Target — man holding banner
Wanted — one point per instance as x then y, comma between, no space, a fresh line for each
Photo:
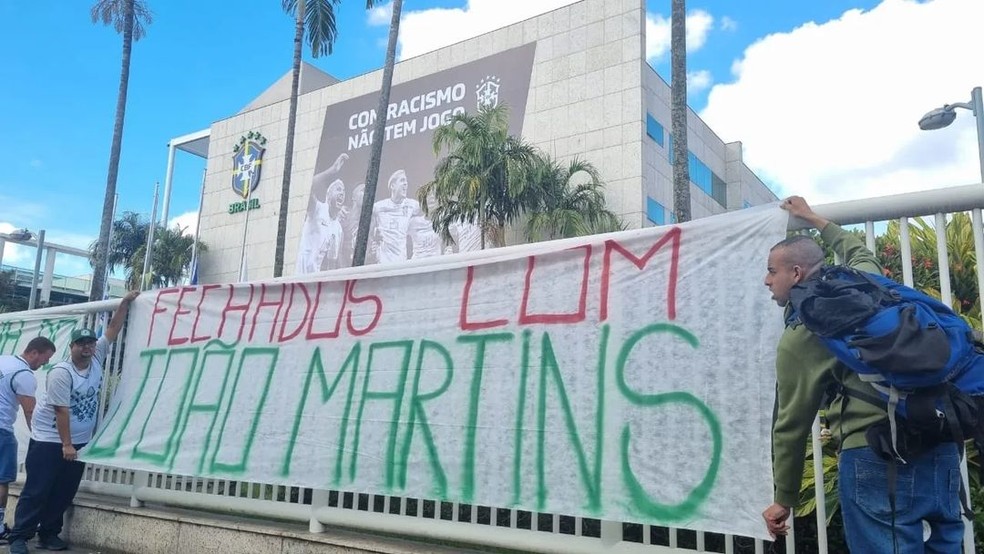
62,424
875,516
17,387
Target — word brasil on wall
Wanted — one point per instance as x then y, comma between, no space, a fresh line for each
625,377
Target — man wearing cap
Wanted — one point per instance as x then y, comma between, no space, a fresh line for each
17,386
62,424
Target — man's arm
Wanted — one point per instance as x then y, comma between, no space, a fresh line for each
802,378
851,249
119,316
321,181
27,405
59,395
65,432
24,385
848,246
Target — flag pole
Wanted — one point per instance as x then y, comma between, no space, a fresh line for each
148,254
247,189
193,278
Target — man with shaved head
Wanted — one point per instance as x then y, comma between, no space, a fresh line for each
806,371
321,232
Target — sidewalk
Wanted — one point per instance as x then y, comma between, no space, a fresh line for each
99,524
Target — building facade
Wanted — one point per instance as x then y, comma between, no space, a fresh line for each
575,81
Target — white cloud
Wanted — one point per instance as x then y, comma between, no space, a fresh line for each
698,81
699,24
830,110
381,15
728,24
427,30
187,221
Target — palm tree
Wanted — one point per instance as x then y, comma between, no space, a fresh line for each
128,17
376,151
568,209
172,258
172,251
129,235
678,110
483,179
317,18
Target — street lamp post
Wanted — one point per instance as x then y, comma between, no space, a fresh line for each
941,117
23,235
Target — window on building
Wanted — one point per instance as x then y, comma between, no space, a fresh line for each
654,129
702,176
719,190
655,211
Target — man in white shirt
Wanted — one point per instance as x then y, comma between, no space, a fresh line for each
62,424
391,219
17,387
321,231
467,236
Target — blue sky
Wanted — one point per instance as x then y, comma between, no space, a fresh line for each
203,61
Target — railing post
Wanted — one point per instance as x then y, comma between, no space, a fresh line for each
319,499
139,480
611,532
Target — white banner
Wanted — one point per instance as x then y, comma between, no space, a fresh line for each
16,330
626,377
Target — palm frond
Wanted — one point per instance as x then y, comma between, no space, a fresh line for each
115,13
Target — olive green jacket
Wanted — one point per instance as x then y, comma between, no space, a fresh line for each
805,369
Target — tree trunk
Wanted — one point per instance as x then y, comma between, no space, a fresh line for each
278,258
375,155
101,262
678,110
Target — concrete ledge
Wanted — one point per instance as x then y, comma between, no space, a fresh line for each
108,524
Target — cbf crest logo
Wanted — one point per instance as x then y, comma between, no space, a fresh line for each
247,160
488,92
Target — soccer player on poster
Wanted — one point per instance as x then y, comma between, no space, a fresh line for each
321,233
391,219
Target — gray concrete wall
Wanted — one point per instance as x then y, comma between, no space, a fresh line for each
107,525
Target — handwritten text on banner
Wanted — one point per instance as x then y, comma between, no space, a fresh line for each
625,377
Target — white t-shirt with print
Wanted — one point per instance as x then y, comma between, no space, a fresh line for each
16,379
67,385
393,220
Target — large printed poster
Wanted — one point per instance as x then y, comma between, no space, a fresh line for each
627,377
399,230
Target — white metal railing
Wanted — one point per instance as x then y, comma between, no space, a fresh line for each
505,527
939,204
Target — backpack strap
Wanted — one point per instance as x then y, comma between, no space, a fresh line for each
958,436
869,398
14,376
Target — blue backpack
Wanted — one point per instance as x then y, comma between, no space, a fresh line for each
922,358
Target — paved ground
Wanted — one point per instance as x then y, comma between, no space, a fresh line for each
32,546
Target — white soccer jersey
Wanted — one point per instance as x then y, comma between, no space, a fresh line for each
393,221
